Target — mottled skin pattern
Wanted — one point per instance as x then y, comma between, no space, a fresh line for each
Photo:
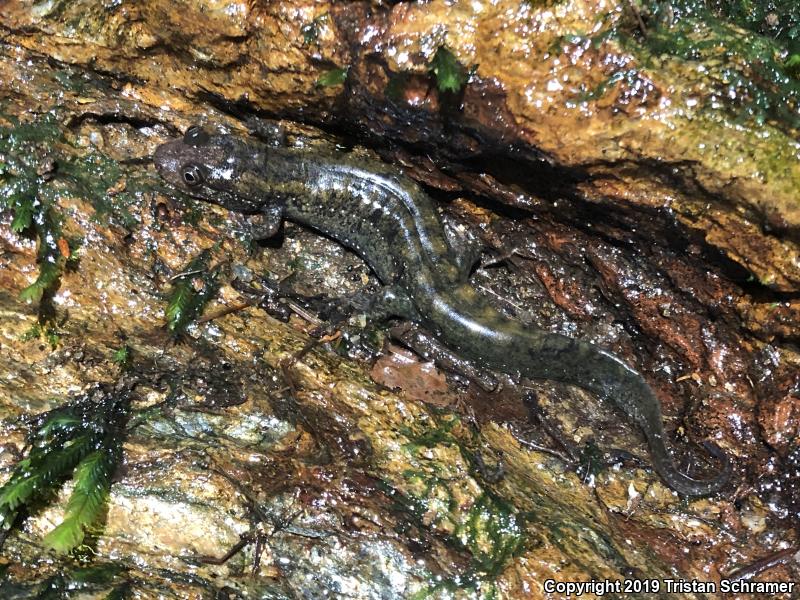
388,220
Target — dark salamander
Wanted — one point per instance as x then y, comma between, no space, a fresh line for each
387,219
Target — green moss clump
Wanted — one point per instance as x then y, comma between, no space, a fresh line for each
122,356
776,19
192,290
450,75
74,581
25,170
34,176
333,77
753,77
491,531
81,440
311,30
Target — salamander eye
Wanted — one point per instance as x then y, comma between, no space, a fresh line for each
195,136
192,175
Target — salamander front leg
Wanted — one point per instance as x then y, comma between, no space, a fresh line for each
267,223
429,348
508,252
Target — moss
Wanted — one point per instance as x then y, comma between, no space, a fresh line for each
94,176
450,75
311,30
750,77
76,581
489,530
777,19
630,76
443,434
71,80
493,534
333,77
122,357
81,439
44,329
396,86
26,167
34,176
192,290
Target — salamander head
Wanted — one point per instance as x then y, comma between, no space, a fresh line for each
212,167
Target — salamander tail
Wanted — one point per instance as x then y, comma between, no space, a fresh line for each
682,483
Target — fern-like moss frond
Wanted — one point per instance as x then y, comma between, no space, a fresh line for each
92,485
190,293
42,471
81,439
59,425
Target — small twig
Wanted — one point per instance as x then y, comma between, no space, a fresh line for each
244,539
257,552
638,16
539,448
303,313
763,564
330,337
506,301
187,273
225,311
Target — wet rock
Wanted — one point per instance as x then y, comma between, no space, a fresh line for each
620,198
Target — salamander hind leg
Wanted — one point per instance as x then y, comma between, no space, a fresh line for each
377,306
279,300
267,296
465,250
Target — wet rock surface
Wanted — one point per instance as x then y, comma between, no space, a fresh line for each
630,211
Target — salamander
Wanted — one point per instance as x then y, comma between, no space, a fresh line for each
386,218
